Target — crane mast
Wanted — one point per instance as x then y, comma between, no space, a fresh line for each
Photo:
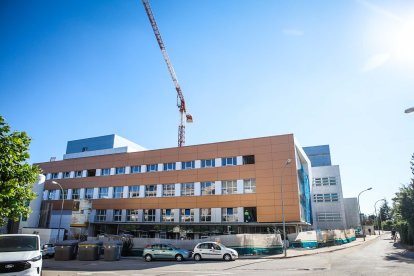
184,117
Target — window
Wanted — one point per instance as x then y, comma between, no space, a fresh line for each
248,159
132,215
52,194
168,215
120,170
228,187
151,190
152,168
103,192
168,190
106,171
133,191
54,175
229,161
100,215
249,214
249,186
75,193
230,215
66,175
187,215
88,193
149,215
64,195
325,197
169,166
78,173
136,169
187,165
208,163
205,215
187,189
91,173
117,215
208,188
327,217
324,181
118,192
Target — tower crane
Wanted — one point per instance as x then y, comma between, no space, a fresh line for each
184,116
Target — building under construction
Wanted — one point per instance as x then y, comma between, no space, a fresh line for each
113,186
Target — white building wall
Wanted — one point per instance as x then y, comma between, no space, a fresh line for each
327,207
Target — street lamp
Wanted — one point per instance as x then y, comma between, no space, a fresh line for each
283,207
359,210
61,208
409,110
376,216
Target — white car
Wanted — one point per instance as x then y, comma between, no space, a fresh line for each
214,250
20,254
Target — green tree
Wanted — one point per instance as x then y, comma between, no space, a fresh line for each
385,211
16,175
403,210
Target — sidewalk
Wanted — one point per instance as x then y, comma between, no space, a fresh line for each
298,252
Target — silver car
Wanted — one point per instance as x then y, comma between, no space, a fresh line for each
214,250
165,251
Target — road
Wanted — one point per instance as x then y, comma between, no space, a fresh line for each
376,257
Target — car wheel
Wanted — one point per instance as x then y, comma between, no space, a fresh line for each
227,257
148,258
197,257
178,257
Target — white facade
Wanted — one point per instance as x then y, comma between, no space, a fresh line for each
351,212
328,209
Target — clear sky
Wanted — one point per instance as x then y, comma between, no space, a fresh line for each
331,72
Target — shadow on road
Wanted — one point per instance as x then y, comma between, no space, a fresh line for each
101,265
401,255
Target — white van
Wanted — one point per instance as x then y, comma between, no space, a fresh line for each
20,254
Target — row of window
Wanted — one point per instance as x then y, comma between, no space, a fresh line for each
206,163
328,217
324,181
325,197
167,215
168,190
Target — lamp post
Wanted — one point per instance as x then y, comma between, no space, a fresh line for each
283,207
409,110
359,210
376,216
61,208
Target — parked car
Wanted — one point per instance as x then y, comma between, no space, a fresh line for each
214,250
48,250
165,251
20,254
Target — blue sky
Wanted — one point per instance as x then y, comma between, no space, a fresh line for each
331,72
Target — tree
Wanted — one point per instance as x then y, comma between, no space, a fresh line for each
404,210
385,211
16,175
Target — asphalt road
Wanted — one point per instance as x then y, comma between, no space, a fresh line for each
376,257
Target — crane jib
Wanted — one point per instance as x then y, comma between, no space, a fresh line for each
181,103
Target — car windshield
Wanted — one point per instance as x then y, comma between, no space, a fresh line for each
222,246
18,243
